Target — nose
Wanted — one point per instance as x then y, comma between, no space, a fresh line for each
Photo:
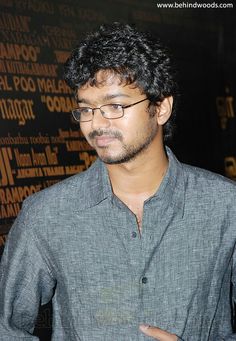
98,120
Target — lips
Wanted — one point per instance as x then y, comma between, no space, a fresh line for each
103,141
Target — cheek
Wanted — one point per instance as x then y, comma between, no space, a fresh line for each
136,126
131,124
85,129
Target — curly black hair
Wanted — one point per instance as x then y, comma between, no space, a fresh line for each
135,57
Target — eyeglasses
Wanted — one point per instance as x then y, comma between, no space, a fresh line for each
109,111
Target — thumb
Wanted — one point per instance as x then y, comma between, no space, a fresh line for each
157,333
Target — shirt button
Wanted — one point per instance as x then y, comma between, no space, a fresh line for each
144,280
134,234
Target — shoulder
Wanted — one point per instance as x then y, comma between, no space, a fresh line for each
203,182
62,196
49,212
200,174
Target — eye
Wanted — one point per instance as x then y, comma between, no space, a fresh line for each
116,106
85,111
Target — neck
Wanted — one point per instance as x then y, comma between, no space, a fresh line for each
141,176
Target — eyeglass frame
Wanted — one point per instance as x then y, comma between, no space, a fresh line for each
104,105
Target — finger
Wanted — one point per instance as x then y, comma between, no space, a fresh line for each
157,333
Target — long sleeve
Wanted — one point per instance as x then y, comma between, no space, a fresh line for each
25,283
232,337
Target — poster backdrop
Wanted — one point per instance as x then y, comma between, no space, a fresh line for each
39,142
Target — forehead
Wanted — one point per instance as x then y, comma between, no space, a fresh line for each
107,84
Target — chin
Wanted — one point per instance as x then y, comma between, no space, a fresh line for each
109,159
116,160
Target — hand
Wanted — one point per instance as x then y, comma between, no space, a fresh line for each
157,333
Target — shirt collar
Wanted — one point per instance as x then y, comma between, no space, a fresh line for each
96,185
171,192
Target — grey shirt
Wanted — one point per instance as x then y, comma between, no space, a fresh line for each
78,244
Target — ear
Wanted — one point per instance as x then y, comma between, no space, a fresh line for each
164,110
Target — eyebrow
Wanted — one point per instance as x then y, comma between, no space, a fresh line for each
104,98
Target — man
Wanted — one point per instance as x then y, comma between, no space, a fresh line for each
140,246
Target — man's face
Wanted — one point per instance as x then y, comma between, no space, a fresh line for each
123,139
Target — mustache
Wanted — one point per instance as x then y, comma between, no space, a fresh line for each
102,132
